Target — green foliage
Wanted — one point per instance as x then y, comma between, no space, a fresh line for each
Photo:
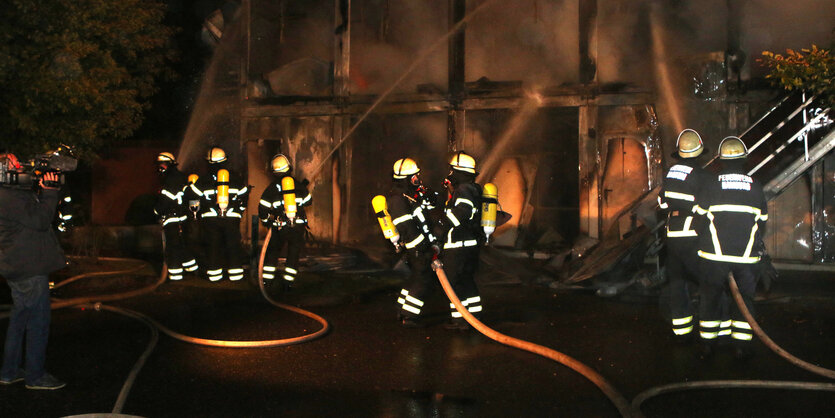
78,72
811,70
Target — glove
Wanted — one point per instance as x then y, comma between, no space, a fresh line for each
767,273
395,240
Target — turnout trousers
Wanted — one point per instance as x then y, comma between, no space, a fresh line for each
222,237
178,257
291,237
421,283
460,265
718,312
682,265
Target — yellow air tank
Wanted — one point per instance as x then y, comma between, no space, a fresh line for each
384,218
489,205
193,205
288,186
222,189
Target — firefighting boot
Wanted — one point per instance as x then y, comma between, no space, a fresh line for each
409,321
457,324
706,350
743,352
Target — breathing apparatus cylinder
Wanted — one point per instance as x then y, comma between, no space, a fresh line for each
223,189
193,204
489,205
384,218
288,186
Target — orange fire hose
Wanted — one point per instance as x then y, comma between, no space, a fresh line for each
617,399
250,344
768,342
746,384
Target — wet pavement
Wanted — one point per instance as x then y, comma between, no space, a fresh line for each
369,366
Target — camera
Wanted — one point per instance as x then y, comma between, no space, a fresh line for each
29,174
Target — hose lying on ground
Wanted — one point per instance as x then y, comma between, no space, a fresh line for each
768,342
746,384
205,341
617,399
728,384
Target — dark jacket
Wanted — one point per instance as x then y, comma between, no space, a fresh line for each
678,196
170,206
735,213
411,217
206,189
463,213
271,205
28,246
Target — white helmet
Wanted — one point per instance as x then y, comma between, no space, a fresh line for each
462,162
404,168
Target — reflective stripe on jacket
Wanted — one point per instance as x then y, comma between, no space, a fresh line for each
736,212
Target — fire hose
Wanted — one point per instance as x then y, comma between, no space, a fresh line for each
249,344
154,326
614,396
211,342
768,342
747,384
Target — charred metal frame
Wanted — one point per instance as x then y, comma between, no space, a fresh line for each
587,97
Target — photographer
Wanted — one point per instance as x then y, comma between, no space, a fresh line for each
29,251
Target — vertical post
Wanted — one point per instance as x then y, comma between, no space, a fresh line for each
456,74
588,41
455,52
341,123
254,249
384,21
342,50
243,95
590,178
816,180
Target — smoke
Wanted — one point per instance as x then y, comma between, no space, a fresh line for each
796,24
535,41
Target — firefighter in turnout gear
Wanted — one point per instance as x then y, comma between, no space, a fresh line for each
223,198
735,212
282,208
463,235
64,213
171,211
409,204
676,199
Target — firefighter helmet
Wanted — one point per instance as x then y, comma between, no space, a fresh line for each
689,144
404,168
216,155
279,164
732,148
166,157
462,162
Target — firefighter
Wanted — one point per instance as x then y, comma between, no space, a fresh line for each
223,198
409,204
171,211
735,213
282,208
463,235
676,199
64,213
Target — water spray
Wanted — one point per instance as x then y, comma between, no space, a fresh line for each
533,101
420,58
662,72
